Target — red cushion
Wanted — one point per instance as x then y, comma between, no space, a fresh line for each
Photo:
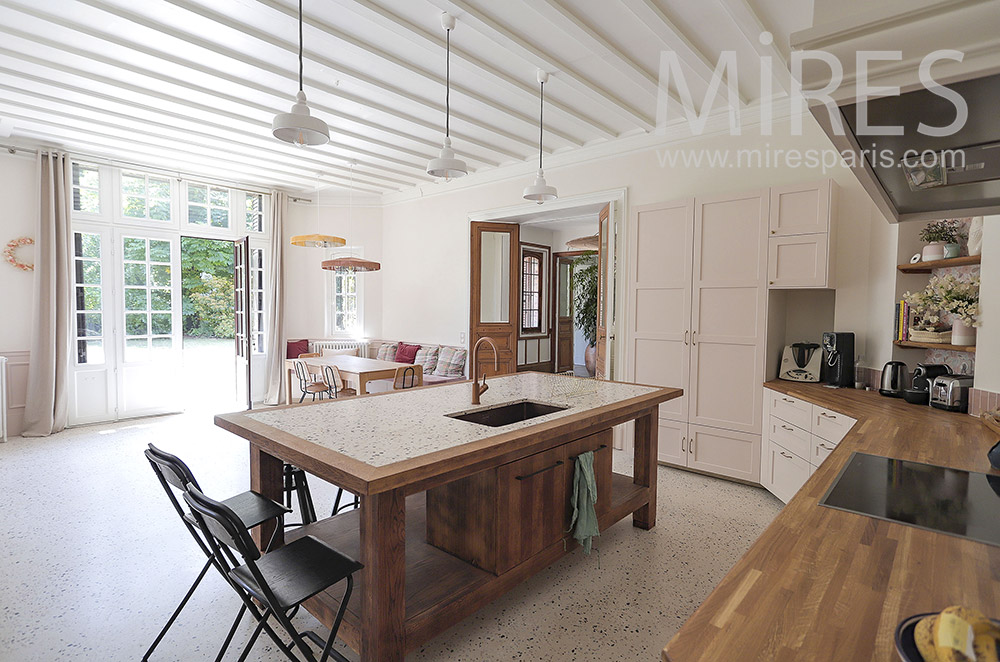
296,347
406,353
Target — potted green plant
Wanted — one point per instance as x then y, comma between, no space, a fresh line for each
585,275
942,238
959,298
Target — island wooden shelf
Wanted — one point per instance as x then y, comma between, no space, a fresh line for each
927,267
910,344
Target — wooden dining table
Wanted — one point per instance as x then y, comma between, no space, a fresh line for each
356,368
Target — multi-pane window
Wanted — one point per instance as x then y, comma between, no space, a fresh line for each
89,295
208,205
148,306
345,302
531,292
254,212
86,188
145,196
257,301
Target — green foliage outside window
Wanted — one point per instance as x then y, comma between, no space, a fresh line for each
207,288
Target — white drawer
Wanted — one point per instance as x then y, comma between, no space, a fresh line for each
787,472
821,449
789,409
793,438
830,425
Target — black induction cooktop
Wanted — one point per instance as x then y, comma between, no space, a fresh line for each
959,503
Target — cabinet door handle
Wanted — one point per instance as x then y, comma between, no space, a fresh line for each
694,335
826,415
785,427
824,447
691,446
784,454
686,332
535,473
788,400
683,442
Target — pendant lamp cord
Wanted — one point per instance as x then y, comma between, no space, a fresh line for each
541,109
447,90
350,207
300,45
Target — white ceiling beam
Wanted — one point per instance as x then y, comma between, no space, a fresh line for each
671,36
222,143
268,67
212,92
400,27
751,27
563,19
72,133
116,134
509,39
371,50
214,111
89,55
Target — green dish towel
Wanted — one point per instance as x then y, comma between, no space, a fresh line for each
584,522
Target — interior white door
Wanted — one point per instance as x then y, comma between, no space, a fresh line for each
149,342
659,307
92,386
728,312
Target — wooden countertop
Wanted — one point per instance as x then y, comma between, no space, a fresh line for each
824,584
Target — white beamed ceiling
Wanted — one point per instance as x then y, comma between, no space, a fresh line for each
192,85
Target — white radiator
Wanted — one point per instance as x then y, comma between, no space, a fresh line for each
320,345
3,398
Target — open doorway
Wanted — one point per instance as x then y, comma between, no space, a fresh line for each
209,374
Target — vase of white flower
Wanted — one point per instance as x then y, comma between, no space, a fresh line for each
962,333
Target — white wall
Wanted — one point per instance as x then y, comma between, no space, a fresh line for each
20,208
988,338
306,297
438,225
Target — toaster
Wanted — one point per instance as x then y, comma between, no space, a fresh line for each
951,392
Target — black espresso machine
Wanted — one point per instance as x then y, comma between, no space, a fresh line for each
839,349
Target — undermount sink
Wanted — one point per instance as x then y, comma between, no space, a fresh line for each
506,413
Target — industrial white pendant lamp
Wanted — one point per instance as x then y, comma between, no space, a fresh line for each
298,126
446,164
540,191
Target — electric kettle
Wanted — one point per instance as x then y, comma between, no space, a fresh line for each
893,379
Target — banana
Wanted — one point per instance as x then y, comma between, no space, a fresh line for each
924,637
953,636
985,646
980,624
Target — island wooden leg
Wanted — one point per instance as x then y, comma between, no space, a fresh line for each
383,579
266,479
644,467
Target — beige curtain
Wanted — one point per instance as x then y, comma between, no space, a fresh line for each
275,301
51,350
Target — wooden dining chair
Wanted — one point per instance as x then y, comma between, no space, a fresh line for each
308,383
335,386
407,377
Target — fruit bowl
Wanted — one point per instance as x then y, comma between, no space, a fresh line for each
906,645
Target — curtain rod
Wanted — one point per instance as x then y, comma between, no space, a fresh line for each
103,160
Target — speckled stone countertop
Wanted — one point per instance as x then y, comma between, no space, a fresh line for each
403,425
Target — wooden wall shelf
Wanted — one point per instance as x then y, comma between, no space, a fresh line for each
927,267
932,345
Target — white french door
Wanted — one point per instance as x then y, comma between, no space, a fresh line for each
148,343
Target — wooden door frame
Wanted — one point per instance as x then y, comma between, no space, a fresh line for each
475,286
554,293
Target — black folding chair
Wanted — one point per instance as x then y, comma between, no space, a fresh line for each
282,579
250,508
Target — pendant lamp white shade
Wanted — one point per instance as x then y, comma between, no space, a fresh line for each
298,126
446,164
540,191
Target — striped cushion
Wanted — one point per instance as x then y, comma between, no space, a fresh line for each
428,358
451,362
387,352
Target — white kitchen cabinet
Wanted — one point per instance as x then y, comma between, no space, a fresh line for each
805,431
801,208
786,472
799,261
696,320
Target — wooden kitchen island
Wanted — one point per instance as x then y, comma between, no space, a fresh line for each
825,584
453,513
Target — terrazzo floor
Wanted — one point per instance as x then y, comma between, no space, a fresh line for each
94,560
